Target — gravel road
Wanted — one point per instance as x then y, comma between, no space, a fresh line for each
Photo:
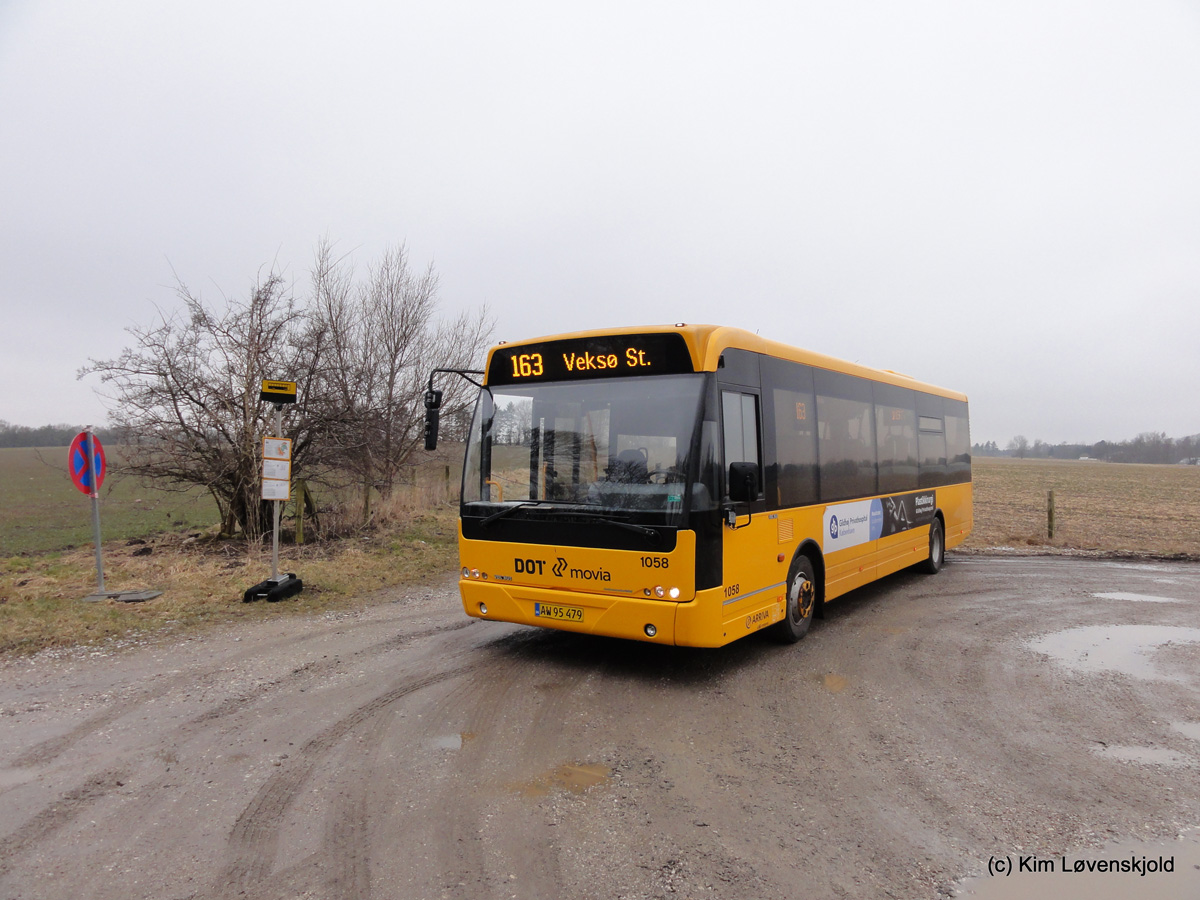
926,726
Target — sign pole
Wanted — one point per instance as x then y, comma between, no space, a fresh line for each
95,495
86,464
276,487
276,503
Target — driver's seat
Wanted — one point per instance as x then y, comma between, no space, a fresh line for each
631,466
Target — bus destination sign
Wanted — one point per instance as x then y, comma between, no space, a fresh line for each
604,356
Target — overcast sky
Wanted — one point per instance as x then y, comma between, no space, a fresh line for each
1002,198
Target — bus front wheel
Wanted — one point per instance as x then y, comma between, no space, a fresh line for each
801,598
937,548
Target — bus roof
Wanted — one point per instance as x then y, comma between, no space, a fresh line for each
706,343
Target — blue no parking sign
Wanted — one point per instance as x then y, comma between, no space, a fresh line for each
82,475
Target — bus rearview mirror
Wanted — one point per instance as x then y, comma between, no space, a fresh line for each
743,482
433,405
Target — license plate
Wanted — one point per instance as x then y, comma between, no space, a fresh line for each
555,611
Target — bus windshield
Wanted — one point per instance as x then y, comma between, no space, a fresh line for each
612,445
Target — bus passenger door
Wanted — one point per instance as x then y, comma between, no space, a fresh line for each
754,583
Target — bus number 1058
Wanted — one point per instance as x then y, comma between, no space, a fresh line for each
656,562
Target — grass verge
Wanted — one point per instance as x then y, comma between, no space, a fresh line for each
43,511
202,580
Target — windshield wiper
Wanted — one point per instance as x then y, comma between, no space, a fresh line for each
643,530
507,511
649,533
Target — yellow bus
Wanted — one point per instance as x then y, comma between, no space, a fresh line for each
693,484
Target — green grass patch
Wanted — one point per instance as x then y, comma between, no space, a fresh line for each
42,510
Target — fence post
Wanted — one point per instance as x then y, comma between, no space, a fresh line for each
1050,515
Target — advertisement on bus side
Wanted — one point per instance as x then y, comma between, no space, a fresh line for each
860,521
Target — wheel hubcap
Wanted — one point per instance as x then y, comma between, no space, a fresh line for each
801,598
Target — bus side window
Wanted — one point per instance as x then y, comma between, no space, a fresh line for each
790,428
896,438
846,439
931,439
739,413
958,441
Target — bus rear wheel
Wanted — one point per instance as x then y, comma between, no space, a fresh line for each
937,548
801,599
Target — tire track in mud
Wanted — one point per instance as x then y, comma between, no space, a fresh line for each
527,718
58,815
459,843
341,866
347,837
231,705
255,835
50,749
346,855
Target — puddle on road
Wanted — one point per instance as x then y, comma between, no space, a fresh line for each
1127,649
1137,598
1151,756
573,777
451,741
1043,877
835,684
1137,567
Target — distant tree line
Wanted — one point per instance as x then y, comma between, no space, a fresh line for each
1147,447
59,435
360,347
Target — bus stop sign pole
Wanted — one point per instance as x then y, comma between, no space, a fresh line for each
277,468
276,503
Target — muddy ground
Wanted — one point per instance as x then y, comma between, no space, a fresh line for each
929,725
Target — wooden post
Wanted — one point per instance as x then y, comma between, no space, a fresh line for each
1050,515
301,491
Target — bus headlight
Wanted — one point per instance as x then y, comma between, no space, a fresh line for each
466,573
650,630
659,592
673,593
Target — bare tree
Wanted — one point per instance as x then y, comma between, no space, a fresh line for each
187,395
1018,446
187,391
380,341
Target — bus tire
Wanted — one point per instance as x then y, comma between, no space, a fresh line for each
937,548
801,600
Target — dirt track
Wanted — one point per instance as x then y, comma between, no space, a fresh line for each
409,752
